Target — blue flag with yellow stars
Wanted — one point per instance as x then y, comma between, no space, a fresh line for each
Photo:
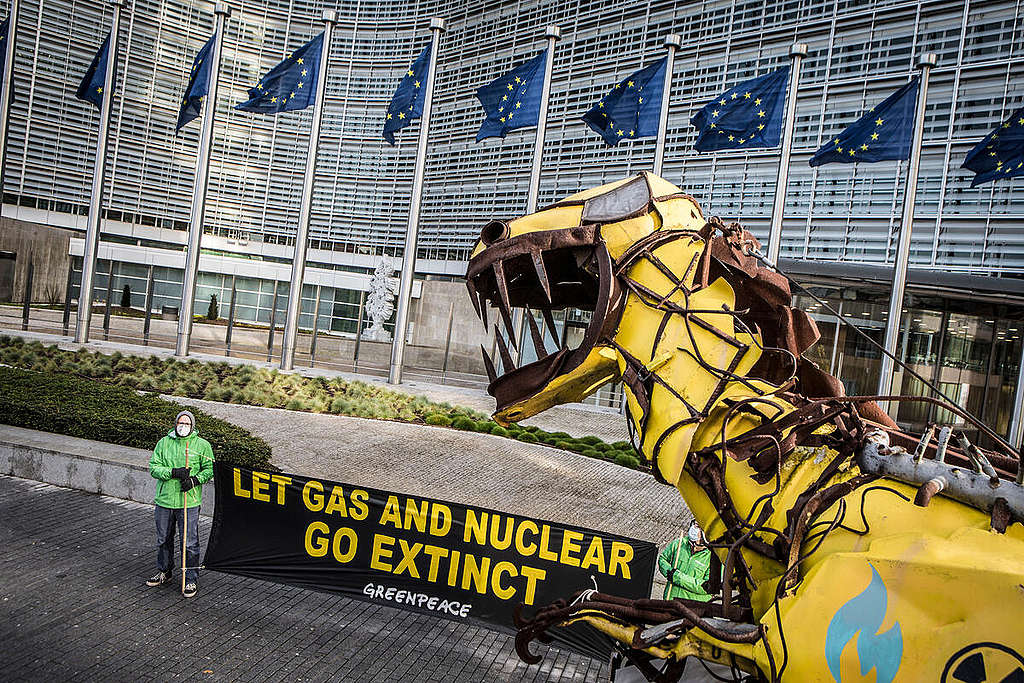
91,87
289,86
883,133
633,107
407,102
198,86
1000,154
513,100
749,116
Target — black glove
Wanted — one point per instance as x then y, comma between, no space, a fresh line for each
189,483
180,473
671,573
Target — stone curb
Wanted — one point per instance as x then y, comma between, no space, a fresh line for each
75,463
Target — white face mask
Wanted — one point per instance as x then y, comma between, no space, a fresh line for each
183,430
693,534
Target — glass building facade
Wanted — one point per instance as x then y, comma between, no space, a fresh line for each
859,52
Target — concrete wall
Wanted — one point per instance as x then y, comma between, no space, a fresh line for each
430,316
47,247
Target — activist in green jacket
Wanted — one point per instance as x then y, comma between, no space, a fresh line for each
169,455
686,563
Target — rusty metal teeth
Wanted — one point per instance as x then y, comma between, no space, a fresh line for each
538,338
542,274
488,365
506,358
504,307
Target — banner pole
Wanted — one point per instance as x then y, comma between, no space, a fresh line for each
8,83
899,276
201,183
437,27
291,316
92,229
551,33
184,521
797,52
672,43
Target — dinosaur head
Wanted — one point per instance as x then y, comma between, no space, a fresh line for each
563,257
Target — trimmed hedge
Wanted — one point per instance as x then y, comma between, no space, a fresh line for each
64,404
250,385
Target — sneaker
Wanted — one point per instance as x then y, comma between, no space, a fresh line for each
190,590
160,579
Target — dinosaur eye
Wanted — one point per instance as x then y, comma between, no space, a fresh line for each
495,231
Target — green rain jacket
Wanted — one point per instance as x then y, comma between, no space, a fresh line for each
170,453
691,570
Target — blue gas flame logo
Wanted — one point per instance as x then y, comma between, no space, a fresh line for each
864,614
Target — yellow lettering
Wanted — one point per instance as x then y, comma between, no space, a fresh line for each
336,502
545,538
435,553
622,554
317,547
281,482
314,501
416,515
440,520
358,500
409,554
503,592
239,491
379,552
595,555
505,541
532,576
453,567
261,486
392,513
570,544
522,547
475,573
346,533
477,527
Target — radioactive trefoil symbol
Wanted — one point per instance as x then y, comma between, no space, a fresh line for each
864,614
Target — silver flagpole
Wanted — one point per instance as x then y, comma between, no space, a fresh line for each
672,43
7,85
552,33
899,276
195,223
291,316
92,228
437,27
797,52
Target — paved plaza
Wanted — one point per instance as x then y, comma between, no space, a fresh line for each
73,606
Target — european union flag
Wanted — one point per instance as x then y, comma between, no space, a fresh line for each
91,87
407,102
289,86
513,100
633,107
749,116
883,133
1000,154
198,86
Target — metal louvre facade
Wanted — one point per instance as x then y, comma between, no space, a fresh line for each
859,53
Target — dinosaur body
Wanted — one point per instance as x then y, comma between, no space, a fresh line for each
830,571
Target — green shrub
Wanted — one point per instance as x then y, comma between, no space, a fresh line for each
590,453
564,445
295,404
464,423
527,437
589,440
498,430
486,426
627,460
561,436
89,409
438,419
623,446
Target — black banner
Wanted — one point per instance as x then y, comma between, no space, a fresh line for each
410,552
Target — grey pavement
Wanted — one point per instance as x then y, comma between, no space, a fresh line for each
577,419
73,607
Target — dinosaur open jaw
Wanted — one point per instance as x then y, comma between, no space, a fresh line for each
540,271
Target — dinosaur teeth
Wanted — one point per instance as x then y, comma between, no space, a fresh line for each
538,338
542,274
488,365
549,320
506,358
473,297
504,307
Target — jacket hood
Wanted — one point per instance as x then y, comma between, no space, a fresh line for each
173,433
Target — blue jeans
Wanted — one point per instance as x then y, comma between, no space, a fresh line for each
166,520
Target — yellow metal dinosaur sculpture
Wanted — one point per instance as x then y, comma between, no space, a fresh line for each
846,545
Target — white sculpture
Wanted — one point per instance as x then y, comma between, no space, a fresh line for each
380,301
